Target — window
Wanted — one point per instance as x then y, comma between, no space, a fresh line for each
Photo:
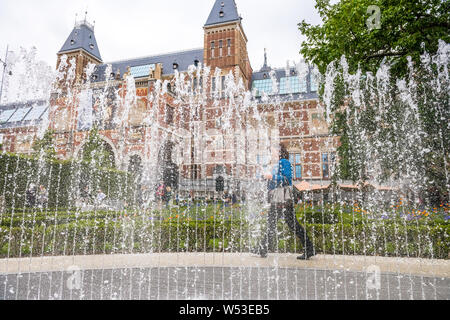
295,159
223,86
5,115
326,171
212,49
169,114
229,46
141,71
19,114
317,116
314,83
263,86
262,160
213,84
195,172
298,171
219,139
220,47
291,85
35,113
200,84
333,157
325,165
195,83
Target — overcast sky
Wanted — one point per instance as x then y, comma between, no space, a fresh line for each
134,28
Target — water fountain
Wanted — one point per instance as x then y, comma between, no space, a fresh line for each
103,231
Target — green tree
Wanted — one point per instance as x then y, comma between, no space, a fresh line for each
404,27
45,146
97,151
407,138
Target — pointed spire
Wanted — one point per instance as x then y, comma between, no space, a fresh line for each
223,11
265,67
82,37
265,58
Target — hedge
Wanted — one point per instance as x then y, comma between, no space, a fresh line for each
144,235
62,179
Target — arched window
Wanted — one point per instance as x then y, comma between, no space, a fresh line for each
212,49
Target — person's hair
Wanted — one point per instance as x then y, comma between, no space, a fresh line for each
284,154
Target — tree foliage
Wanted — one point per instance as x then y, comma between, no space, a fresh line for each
98,151
388,99
45,146
404,27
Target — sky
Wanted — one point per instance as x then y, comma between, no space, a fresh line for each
135,28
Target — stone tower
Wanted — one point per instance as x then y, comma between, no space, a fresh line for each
225,41
81,45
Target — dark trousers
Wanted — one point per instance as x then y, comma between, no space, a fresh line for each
287,212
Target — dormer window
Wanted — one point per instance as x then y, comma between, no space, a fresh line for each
72,42
91,46
222,4
175,66
265,76
196,63
221,14
112,75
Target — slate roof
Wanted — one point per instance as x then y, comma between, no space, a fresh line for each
82,37
183,58
229,12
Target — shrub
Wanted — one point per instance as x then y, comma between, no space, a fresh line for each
62,179
86,236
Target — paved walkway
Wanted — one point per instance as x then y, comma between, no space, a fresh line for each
408,266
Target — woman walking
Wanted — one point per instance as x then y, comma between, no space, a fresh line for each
281,177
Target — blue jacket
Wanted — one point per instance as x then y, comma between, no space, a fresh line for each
281,175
